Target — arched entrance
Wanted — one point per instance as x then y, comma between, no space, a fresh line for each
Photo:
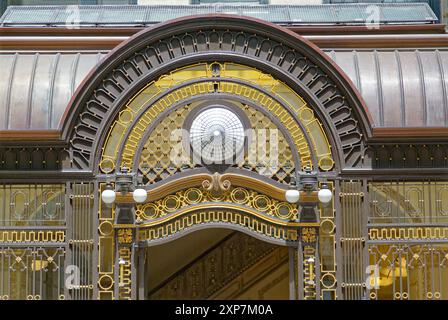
217,263
292,121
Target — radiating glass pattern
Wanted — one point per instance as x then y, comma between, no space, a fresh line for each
216,135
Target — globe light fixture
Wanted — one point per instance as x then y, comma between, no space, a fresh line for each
325,195
139,195
308,184
108,195
292,195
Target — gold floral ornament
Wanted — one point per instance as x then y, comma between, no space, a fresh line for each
125,236
309,234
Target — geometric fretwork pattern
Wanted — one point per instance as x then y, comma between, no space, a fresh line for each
405,234
171,227
284,166
157,160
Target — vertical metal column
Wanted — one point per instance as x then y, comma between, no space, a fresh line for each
292,274
81,228
141,273
352,240
300,287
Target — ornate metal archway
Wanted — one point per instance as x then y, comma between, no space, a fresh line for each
124,113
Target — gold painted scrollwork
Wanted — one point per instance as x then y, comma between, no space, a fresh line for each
217,184
264,204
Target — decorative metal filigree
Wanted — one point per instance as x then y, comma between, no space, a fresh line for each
191,197
409,271
408,202
125,236
163,146
309,234
32,273
305,114
32,205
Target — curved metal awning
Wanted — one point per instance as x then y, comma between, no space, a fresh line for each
402,88
35,88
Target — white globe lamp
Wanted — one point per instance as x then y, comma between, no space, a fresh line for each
292,195
108,196
139,195
325,195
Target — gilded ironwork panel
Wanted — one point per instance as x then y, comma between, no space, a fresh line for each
106,249
398,202
125,273
32,273
327,249
352,241
164,154
81,239
408,272
157,92
309,273
334,98
32,205
171,204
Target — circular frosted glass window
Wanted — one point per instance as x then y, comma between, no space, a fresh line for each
217,135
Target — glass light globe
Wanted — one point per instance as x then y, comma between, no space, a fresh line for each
139,195
325,195
108,196
292,195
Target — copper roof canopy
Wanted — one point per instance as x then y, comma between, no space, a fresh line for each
402,87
